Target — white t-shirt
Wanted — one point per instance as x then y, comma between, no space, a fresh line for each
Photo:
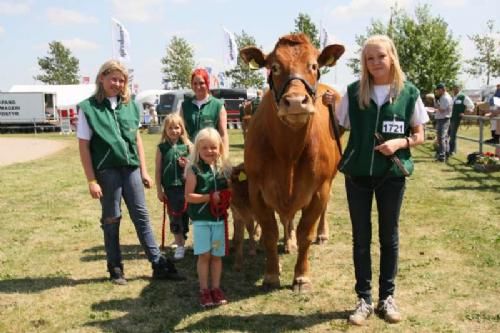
380,95
445,106
83,130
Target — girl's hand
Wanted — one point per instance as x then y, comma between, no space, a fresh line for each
389,147
182,162
216,197
328,98
161,196
147,181
95,190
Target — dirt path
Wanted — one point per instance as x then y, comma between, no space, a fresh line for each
16,150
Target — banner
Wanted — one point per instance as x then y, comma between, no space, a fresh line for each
230,50
120,41
323,38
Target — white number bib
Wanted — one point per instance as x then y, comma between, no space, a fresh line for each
394,127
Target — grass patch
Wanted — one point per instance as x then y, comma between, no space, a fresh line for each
53,272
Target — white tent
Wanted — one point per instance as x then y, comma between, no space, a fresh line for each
67,95
149,96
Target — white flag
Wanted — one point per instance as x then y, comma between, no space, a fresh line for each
230,50
120,41
323,38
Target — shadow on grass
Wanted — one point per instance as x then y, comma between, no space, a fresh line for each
472,180
37,284
163,305
237,145
97,253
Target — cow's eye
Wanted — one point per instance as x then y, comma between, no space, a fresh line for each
275,68
313,67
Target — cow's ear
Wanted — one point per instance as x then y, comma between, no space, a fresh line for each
253,57
330,55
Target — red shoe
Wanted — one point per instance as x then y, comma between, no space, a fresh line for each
218,297
206,298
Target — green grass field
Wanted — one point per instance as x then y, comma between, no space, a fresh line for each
53,272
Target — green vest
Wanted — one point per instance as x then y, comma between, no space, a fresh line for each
392,120
196,119
113,142
172,173
206,182
458,107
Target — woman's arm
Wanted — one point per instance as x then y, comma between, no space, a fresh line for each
223,128
158,172
146,180
94,188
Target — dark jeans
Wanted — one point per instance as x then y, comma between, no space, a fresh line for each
179,224
452,132
124,182
389,196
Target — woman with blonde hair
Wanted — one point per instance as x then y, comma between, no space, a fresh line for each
385,116
112,156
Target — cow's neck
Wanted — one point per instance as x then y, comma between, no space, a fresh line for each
289,144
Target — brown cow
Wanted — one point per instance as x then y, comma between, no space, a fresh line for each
290,154
243,217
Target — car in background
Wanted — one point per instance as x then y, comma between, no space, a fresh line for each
171,101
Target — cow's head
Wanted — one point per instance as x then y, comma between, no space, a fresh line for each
293,68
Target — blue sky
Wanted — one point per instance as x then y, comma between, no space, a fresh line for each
27,26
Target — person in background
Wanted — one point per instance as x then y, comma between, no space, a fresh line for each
171,158
381,103
112,156
442,117
495,133
206,189
462,104
204,110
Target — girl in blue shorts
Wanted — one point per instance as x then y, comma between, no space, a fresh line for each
207,195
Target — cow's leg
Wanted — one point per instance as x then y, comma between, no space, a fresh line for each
322,231
238,237
305,236
269,239
252,232
289,237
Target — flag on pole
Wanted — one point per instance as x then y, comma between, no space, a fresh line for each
120,41
323,38
230,49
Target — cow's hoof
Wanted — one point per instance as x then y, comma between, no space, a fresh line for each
252,252
237,267
320,240
302,285
271,282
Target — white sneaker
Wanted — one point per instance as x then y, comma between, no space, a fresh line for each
179,252
388,310
362,312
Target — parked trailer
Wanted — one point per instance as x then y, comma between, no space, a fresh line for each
26,110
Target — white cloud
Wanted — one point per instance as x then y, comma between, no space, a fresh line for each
65,16
137,11
2,30
366,8
13,8
79,44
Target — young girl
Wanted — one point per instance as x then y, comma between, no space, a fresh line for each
171,158
206,189
382,102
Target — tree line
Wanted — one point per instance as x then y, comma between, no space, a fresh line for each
428,53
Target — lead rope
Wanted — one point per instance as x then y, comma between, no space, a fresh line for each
167,208
220,210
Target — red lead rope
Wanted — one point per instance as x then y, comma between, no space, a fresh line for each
220,210
167,208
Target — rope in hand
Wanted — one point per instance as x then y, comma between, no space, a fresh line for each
167,208
220,209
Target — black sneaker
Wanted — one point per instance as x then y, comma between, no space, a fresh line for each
165,269
117,276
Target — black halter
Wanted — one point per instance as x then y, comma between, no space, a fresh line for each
311,90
